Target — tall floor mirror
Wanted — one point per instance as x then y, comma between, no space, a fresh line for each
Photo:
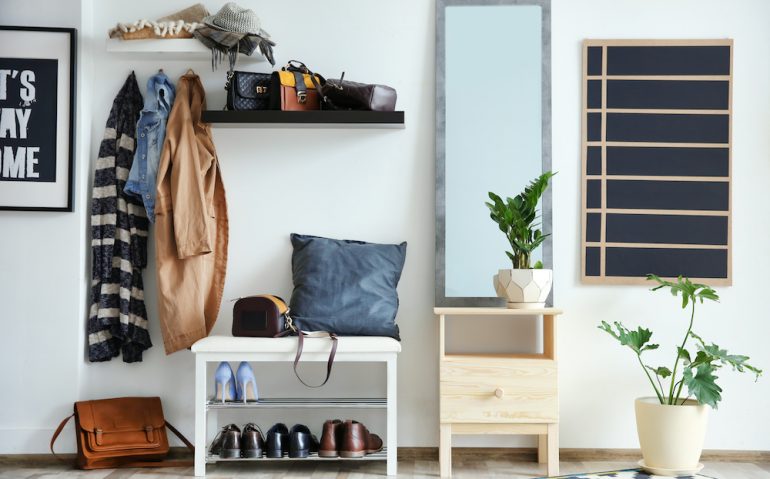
493,133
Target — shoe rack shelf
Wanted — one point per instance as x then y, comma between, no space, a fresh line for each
305,119
377,456
215,349
302,403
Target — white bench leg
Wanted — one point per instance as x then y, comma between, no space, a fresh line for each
200,415
392,432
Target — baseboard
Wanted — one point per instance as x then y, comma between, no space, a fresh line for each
571,454
523,454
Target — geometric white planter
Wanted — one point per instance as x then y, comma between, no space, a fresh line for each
524,288
671,437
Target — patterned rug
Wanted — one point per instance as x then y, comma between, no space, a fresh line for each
624,474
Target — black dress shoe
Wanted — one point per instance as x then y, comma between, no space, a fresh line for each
252,443
301,442
217,443
277,440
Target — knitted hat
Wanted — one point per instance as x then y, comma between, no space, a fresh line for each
232,18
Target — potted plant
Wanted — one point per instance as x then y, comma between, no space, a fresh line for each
525,285
672,425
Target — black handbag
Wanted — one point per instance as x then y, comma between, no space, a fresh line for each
349,95
248,91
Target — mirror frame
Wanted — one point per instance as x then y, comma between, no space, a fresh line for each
441,300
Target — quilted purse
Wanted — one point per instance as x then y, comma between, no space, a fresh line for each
248,91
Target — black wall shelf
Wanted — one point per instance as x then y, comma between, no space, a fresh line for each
304,119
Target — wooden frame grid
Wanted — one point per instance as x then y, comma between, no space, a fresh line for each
603,177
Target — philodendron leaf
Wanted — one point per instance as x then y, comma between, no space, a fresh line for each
661,371
637,340
684,355
712,352
702,384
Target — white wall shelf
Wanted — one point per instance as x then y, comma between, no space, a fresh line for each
185,48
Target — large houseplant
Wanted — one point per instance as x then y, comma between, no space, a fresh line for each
525,285
672,425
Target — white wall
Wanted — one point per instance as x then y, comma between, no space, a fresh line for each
42,267
378,186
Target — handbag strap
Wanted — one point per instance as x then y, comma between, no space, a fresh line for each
57,432
164,463
300,345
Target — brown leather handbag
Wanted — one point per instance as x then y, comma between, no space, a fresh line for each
121,432
259,316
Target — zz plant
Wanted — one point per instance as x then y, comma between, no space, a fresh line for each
698,370
517,218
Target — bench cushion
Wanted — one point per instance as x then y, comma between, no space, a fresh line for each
347,344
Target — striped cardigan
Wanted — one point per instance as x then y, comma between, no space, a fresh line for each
118,319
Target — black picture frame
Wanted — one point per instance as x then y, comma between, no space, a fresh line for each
65,182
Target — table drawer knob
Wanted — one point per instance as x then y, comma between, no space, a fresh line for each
499,393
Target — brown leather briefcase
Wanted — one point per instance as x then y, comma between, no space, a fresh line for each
121,432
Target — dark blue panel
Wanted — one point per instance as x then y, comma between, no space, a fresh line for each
668,60
594,194
655,161
594,160
671,229
594,126
662,94
668,128
668,195
593,262
694,263
594,60
594,94
593,227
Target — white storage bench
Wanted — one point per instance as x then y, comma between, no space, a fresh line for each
367,349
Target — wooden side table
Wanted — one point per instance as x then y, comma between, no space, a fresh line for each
500,393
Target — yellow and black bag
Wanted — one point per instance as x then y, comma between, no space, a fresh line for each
295,88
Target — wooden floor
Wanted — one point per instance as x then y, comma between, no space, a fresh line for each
409,468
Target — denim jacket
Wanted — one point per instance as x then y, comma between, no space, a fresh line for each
150,133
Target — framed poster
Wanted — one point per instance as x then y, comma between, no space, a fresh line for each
657,155
37,118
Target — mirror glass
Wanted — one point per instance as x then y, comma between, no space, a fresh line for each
492,120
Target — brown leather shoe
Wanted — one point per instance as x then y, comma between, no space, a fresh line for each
357,441
331,438
373,443
252,442
218,442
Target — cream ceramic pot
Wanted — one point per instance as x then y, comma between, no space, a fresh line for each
671,437
523,288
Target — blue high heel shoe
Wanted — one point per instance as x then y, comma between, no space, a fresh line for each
246,383
224,383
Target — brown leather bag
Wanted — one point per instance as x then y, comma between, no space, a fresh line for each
259,316
121,432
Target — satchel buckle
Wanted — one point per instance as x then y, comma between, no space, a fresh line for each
149,430
301,97
261,89
99,437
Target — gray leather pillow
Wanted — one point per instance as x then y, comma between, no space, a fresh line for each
345,287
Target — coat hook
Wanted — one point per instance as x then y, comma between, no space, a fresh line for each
190,71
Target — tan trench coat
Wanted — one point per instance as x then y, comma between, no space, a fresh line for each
191,227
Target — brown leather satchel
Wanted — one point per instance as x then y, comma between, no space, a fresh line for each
121,432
